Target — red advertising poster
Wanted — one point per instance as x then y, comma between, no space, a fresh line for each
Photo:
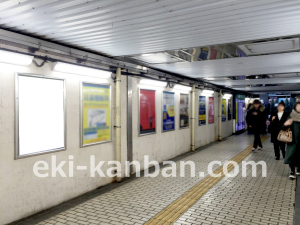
147,112
211,110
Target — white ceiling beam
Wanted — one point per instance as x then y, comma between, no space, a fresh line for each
285,80
271,88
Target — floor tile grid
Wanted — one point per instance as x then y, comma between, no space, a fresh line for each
248,200
139,200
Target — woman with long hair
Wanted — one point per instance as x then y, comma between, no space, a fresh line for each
292,156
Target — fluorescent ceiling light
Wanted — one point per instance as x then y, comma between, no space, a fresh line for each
153,58
153,82
227,95
209,78
142,67
15,58
207,92
81,70
182,87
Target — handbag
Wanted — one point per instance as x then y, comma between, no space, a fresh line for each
285,136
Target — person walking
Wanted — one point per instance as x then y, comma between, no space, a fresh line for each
292,156
256,119
250,106
277,122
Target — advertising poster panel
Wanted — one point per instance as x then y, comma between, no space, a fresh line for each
96,113
211,110
202,110
240,112
223,110
229,109
147,112
168,105
184,110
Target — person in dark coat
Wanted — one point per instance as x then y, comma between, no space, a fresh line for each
256,119
277,122
292,156
250,106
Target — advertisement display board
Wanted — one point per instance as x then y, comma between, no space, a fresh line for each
202,110
240,112
211,110
229,109
147,111
95,113
184,110
223,110
168,106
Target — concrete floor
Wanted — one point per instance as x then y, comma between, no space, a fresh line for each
237,200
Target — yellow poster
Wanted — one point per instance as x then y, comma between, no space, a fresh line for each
96,112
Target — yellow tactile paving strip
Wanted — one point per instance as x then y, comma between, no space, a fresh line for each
172,212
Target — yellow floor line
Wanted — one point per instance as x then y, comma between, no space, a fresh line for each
172,212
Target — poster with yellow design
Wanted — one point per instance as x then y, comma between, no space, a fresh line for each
96,113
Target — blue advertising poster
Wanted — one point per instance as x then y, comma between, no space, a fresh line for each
168,105
240,112
223,110
202,110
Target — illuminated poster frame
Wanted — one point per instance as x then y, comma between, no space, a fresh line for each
149,131
224,110
211,110
202,110
18,122
168,108
85,102
240,114
229,109
184,110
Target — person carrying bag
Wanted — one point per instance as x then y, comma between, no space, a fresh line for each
275,129
293,148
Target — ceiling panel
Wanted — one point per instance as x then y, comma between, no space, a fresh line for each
271,88
123,27
254,65
283,80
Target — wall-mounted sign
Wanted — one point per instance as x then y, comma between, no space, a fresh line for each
223,110
202,110
96,113
184,110
229,109
211,110
168,107
147,115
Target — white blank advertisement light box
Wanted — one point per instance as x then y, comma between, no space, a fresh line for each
40,115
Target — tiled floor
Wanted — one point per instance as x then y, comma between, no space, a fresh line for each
248,200
233,200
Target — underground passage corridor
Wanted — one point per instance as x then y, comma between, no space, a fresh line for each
152,112
229,200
